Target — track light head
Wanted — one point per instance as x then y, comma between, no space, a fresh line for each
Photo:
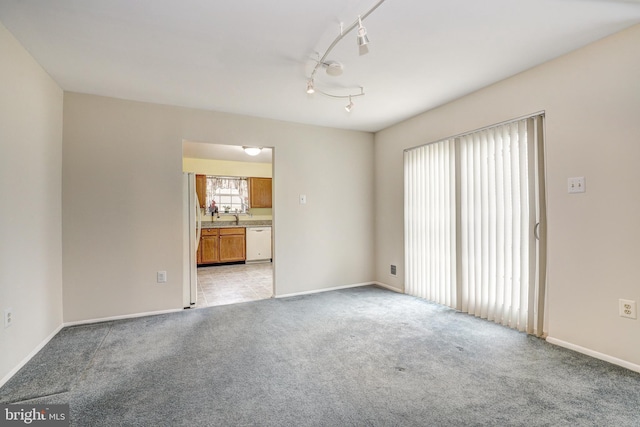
349,106
310,86
362,38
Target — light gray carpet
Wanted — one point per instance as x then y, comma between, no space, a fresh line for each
356,357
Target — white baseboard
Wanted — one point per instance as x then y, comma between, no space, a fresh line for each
593,353
356,285
389,287
316,291
121,317
29,356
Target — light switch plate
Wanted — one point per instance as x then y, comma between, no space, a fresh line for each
303,199
577,185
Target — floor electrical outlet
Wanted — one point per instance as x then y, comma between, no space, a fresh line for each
628,309
8,317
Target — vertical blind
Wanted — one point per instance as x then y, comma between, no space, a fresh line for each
430,227
472,208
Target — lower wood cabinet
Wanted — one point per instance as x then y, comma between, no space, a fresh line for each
209,249
218,245
232,244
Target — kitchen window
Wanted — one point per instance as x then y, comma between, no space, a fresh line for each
229,194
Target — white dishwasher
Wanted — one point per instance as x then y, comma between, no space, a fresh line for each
258,244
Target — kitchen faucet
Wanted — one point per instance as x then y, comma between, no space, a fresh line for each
237,215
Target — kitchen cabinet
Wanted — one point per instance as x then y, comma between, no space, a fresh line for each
232,244
209,249
201,190
218,245
260,192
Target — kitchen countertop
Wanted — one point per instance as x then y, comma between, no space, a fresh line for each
226,224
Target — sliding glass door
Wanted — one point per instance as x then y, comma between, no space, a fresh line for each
474,223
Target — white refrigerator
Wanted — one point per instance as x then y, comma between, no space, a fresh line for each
192,224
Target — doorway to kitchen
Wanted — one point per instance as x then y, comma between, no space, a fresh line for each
233,262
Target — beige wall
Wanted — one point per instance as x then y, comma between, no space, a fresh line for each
30,189
592,103
122,202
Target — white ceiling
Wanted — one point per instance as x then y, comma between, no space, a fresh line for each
253,57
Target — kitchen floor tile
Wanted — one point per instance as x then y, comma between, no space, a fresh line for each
232,284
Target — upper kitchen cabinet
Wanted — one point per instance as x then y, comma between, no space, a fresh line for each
260,192
201,190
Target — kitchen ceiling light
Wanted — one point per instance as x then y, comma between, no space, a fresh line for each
252,151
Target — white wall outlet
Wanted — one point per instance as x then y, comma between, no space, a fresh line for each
8,317
162,277
628,308
577,185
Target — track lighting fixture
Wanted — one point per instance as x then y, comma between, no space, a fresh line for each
349,106
334,68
